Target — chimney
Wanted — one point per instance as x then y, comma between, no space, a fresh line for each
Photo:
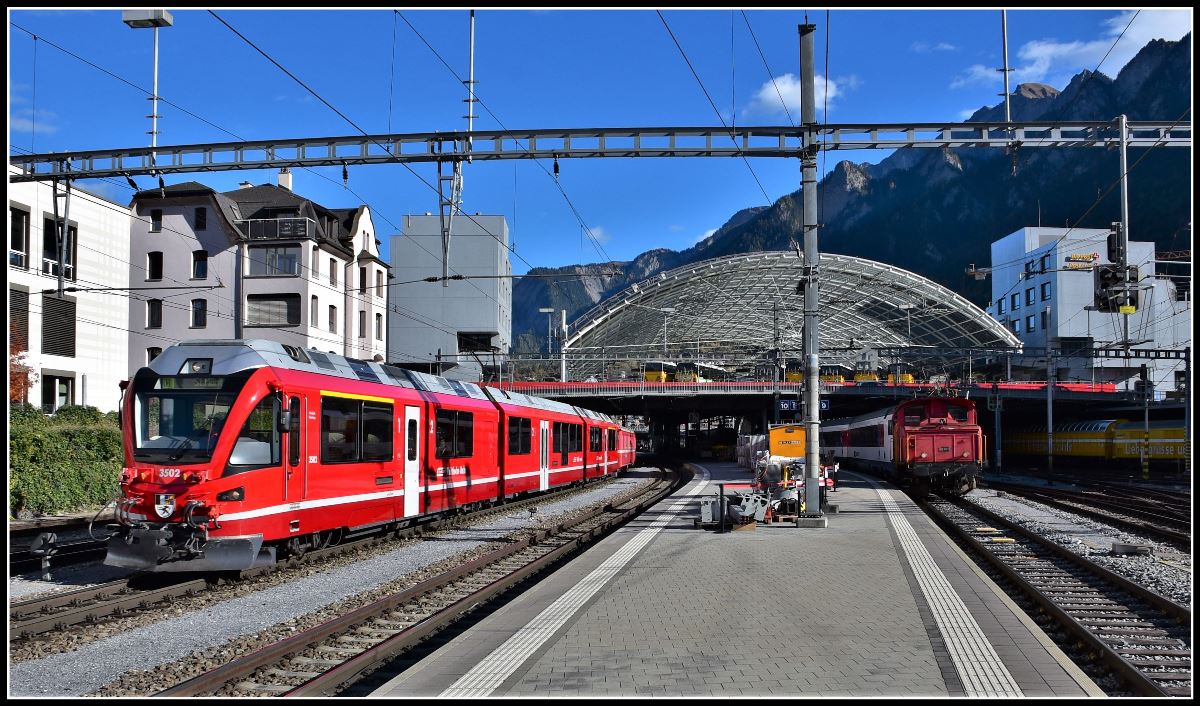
245,185
285,178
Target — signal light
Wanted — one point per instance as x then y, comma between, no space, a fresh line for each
1116,244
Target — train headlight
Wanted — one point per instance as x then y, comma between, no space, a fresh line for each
197,366
924,455
235,494
964,454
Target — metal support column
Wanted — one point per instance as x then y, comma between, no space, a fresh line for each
562,348
998,403
808,163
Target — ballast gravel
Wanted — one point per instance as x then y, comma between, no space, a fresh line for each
1167,571
223,629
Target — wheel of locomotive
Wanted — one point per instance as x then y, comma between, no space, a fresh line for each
920,488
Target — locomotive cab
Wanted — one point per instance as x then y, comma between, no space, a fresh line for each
188,439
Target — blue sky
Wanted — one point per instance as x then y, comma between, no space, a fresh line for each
536,69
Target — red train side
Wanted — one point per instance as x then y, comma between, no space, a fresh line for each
239,451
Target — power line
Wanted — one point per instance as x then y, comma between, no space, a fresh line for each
713,104
770,74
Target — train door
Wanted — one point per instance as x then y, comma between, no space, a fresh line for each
412,460
544,449
297,462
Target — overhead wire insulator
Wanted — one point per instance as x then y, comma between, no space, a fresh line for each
345,176
556,166
162,188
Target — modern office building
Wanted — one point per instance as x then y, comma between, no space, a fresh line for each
458,328
1043,290
255,262
75,346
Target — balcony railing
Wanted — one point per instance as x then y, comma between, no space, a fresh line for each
50,267
277,228
16,258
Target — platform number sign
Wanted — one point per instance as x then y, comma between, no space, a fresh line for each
798,405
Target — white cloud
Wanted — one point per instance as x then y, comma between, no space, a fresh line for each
966,113
926,47
766,100
600,235
1051,61
703,236
24,120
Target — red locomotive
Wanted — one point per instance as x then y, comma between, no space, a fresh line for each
929,443
238,452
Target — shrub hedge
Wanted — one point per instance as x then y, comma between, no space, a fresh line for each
65,463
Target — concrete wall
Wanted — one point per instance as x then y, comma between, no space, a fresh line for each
426,316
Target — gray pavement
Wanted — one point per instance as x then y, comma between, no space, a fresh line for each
659,608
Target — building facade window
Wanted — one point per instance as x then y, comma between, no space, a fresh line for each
313,312
1046,262
1015,300
200,264
1030,299
58,326
18,237
362,324
333,271
50,256
273,310
154,265
1045,291
275,261
155,220
379,283
379,327
1016,325
18,318
1030,323
201,218
199,313
315,263
1045,320
154,313
152,353
362,280
332,319
1001,305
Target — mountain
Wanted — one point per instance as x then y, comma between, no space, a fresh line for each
936,211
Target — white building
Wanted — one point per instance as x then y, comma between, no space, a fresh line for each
76,346
1043,290
451,329
255,262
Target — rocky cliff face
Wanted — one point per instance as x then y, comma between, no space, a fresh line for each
936,211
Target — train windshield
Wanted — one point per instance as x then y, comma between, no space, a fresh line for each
957,412
178,418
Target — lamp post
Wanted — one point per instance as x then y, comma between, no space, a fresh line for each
908,310
549,312
140,19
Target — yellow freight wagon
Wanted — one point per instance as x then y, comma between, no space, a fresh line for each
787,440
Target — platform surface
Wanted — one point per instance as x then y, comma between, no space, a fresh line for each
879,603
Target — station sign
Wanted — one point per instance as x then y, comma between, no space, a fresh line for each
798,405
1081,261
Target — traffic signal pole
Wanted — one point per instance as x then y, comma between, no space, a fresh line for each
808,164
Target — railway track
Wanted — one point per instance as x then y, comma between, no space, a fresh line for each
58,611
24,561
323,659
1141,636
1163,524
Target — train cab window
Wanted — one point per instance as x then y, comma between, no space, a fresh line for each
258,443
455,434
294,432
913,416
412,440
520,435
377,431
956,412
595,439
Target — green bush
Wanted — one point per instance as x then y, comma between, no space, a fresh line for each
65,463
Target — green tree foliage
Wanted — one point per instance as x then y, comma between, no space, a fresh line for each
64,463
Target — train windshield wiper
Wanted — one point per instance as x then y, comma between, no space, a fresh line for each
187,444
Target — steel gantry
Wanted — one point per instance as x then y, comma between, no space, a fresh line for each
482,145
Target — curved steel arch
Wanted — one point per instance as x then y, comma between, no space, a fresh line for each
730,305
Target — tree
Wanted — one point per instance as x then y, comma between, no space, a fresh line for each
21,377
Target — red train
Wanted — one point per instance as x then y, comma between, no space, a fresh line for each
239,452
928,443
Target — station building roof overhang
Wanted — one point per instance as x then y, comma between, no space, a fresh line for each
732,306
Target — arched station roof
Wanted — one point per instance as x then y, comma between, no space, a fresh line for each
731,308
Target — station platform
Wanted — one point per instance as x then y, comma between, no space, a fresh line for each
879,603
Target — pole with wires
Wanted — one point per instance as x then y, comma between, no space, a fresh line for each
808,163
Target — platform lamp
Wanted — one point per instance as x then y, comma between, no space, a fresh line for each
141,19
549,312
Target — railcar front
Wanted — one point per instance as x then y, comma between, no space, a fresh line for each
938,444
